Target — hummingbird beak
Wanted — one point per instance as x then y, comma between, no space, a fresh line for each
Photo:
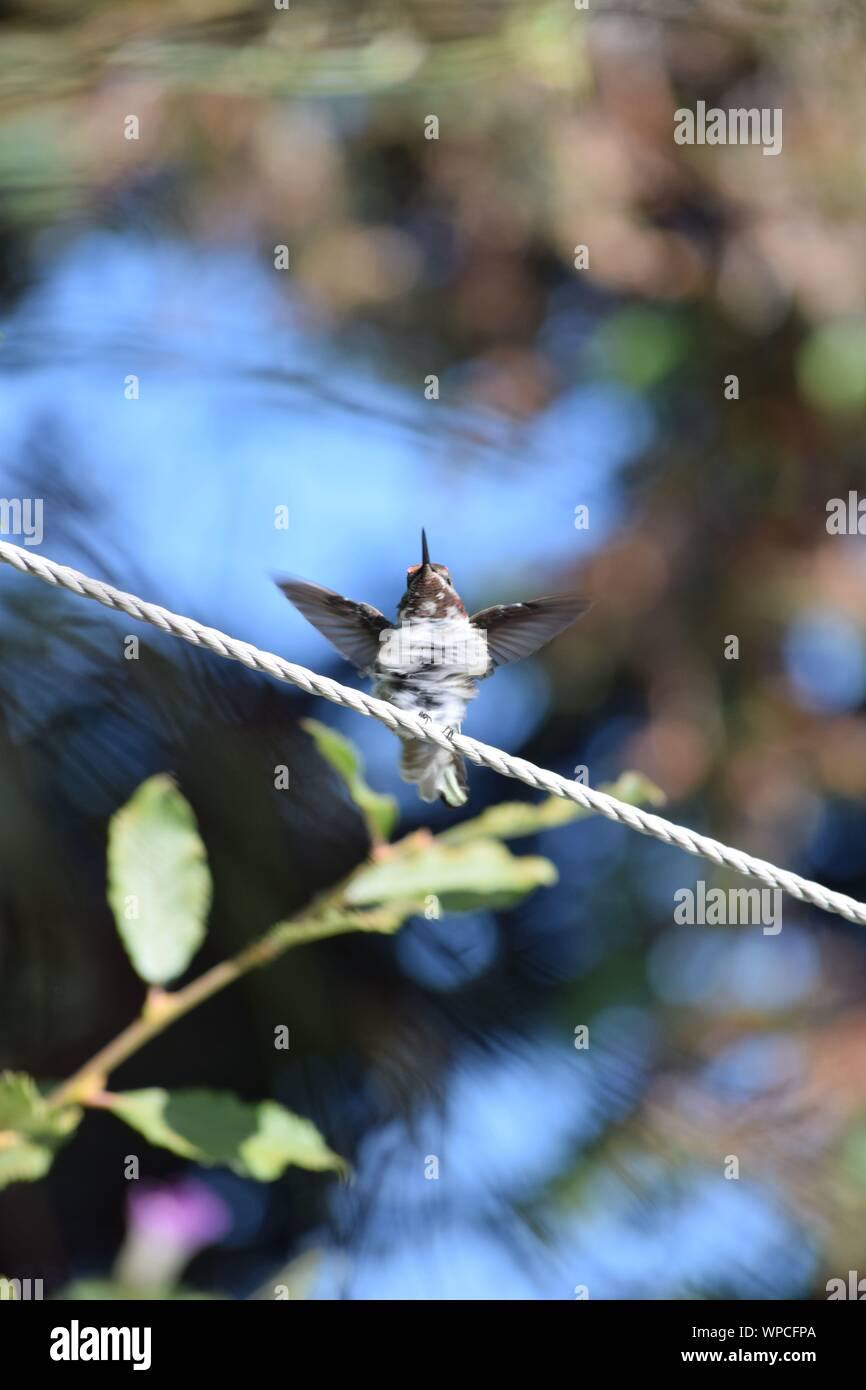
425,553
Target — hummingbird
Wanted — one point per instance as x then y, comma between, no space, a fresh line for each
430,663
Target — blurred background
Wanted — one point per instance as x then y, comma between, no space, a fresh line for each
432,356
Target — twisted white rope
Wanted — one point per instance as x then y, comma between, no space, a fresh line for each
400,720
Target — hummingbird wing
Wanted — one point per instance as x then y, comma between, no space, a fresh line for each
353,628
516,630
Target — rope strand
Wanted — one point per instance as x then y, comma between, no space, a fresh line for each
400,721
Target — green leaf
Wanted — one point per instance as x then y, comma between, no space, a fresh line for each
464,877
31,1132
386,918
380,811
335,921
159,884
20,1100
22,1160
213,1127
511,819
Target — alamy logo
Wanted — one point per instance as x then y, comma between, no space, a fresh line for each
855,1288
419,644
77,1343
20,1290
729,907
739,126
22,516
846,516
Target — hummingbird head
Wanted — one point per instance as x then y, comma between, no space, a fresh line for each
422,574
429,588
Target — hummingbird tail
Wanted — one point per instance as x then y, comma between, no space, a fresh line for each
435,772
